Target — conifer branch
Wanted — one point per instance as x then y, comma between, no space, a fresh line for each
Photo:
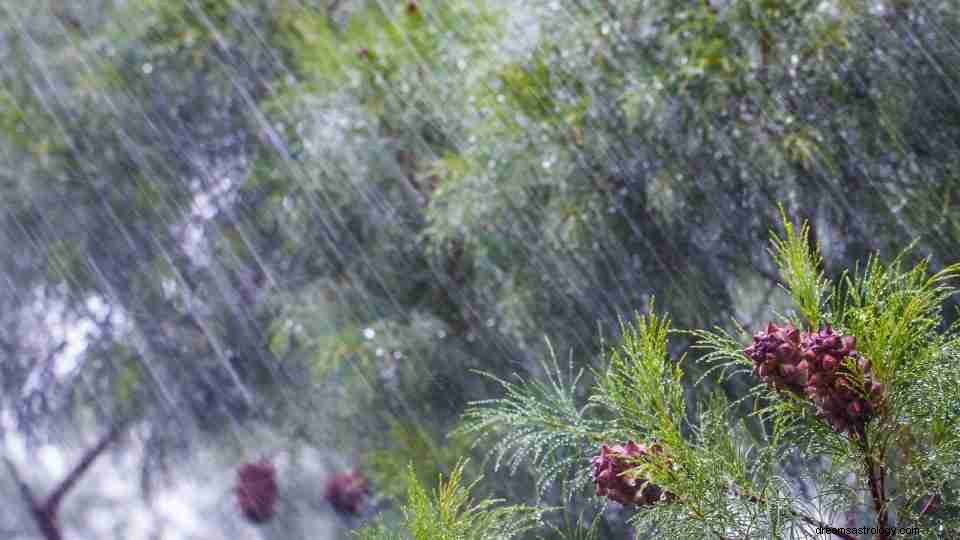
25,492
45,520
930,504
875,477
799,515
53,501
45,512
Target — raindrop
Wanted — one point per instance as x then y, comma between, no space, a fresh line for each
379,351
461,64
605,29
369,333
147,68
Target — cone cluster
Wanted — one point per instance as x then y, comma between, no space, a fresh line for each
257,490
347,492
824,367
609,470
777,356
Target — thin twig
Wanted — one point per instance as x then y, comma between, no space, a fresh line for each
935,498
53,501
45,512
799,515
875,477
25,492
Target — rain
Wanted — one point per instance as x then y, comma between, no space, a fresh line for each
294,232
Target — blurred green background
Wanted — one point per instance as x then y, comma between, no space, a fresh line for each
291,228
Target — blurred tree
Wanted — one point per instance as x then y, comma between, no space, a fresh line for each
255,210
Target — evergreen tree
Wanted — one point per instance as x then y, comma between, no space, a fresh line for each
262,209
850,426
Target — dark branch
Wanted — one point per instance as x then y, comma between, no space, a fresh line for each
835,531
931,505
45,513
25,492
875,478
53,501
46,521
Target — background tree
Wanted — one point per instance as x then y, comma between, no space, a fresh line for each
255,210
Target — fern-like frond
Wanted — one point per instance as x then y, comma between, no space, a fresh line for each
800,266
538,422
723,352
581,529
449,513
641,385
895,314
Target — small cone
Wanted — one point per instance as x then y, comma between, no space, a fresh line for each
257,491
347,492
777,357
824,367
608,473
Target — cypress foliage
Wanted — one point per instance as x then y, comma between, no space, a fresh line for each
888,417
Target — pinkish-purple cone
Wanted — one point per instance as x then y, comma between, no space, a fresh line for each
608,473
347,491
818,366
777,358
257,490
834,384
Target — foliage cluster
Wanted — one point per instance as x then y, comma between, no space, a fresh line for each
793,472
256,210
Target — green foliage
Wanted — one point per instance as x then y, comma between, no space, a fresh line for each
581,529
412,449
539,421
641,392
800,266
641,385
463,181
896,316
449,514
731,481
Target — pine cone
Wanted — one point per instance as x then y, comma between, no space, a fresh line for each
347,491
257,490
818,366
834,381
777,358
608,473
